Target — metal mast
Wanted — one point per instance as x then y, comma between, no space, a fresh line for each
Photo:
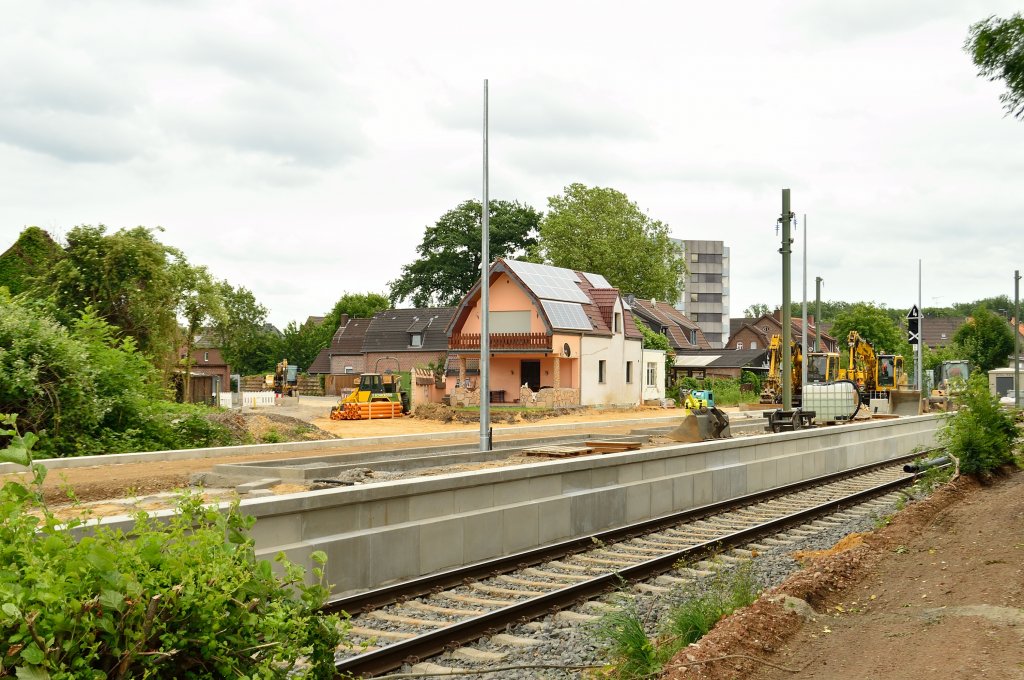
787,359
805,342
485,284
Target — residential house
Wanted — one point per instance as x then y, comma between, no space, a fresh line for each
721,363
404,339
345,353
757,333
938,331
209,371
683,334
557,337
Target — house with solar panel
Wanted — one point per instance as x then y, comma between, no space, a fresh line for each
558,337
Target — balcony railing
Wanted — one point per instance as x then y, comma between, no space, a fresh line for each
540,342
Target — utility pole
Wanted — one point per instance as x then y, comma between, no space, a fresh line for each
485,284
787,329
1016,338
817,313
919,373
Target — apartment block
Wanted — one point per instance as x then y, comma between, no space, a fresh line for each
705,298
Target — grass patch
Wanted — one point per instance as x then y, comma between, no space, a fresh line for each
633,653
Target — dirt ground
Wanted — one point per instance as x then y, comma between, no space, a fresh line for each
140,479
938,593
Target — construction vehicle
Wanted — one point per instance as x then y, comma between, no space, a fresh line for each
821,367
876,375
950,377
379,395
702,420
284,380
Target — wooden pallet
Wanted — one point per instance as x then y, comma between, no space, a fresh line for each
557,451
611,446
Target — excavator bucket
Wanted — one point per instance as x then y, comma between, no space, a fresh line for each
905,402
701,425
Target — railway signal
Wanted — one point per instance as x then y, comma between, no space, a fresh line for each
914,326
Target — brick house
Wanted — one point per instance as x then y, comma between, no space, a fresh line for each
757,333
345,353
682,333
557,337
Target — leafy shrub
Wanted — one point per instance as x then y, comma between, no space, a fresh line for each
981,435
182,598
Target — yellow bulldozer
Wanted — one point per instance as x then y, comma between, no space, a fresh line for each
379,395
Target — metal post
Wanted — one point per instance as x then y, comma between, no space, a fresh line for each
817,313
787,359
1016,338
804,334
919,373
485,284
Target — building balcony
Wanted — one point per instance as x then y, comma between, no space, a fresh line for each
502,342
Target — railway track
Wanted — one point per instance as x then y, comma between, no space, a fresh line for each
421,618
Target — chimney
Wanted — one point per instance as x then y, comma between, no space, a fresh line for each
778,314
343,321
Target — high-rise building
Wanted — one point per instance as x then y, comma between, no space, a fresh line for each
705,298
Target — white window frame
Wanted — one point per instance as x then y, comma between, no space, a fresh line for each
652,373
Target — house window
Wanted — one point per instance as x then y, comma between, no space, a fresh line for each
753,344
693,337
415,339
206,356
739,345
629,371
601,371
618,322
652,373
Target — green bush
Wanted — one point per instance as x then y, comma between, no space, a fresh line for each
981,435
181,598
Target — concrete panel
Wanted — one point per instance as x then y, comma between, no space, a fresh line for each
277,529
604,476
755,477
696,462
576,481
632,472
473,498
519,528
661,497
394,553
441,544
556,521
682,492
596,511
731,457
483,536
638,502
330,521
719,485
547,486
654,469
675,465
769,473
512,492
737,480
702,491
429,505
748,454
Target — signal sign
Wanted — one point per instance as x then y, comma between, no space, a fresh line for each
914,326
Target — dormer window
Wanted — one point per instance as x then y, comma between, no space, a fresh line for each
415,339
206,356
693,337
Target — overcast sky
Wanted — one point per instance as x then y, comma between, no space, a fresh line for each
299,149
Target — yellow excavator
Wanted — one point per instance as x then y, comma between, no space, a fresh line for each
821,367
874,374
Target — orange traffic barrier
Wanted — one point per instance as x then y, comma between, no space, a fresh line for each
367,410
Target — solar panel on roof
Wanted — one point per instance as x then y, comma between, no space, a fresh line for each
598,281
552,283
569,315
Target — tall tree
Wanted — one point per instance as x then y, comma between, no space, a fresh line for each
129,278
757,310
997,49
244,340
986,339
201,306
31,255
600,230
875,325
449,255
356,306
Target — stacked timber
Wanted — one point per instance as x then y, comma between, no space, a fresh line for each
368,410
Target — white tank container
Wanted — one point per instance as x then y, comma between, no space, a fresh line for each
831,402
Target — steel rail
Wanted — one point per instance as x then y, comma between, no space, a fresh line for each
435,642
378,597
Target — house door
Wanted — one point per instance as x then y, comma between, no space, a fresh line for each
530,374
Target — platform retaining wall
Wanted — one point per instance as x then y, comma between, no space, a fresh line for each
383,532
